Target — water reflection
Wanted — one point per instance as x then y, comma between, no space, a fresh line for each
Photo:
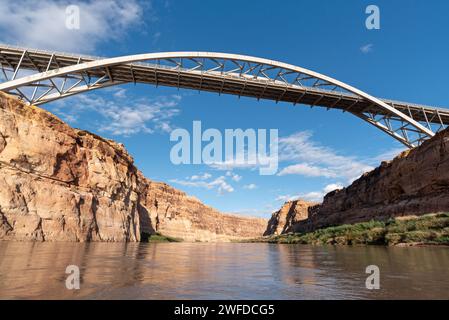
219,271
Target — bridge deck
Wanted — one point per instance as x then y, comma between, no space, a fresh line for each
227,83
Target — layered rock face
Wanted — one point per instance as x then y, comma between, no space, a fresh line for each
62,184
416,182
175,214
290,214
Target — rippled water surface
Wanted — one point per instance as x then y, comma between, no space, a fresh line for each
220,271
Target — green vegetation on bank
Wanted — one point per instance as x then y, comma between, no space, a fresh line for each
157,237
428,229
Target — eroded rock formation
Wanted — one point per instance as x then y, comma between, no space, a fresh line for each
416,182
175,214
290,214
62,184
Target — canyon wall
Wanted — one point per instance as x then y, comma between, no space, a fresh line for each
416,182
292,212
173,213
62,184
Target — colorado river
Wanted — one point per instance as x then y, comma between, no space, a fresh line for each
220,271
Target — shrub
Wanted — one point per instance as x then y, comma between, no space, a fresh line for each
425,229
393,238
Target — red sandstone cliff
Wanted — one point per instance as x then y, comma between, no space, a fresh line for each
62,184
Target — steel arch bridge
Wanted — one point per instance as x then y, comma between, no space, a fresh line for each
39,77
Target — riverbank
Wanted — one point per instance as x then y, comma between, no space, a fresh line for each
431,229
157,237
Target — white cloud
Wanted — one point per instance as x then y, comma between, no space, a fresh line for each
72,118
308,171
235,177
120,93
317,196
250,186
303,156
197,181
313,160
232,164
367,48
240,161
314,196
123,116
204,176
332,187
389,154
42,24
287,197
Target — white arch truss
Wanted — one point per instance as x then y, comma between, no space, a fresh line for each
40,77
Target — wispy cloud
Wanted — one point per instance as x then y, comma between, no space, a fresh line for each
156,37
311,159
314,196
389,154
204,176
240,161
285,198
205,181
250,186
307,170
42,24
317,196
120,93
122,116
367,48
301,155
332,187
235,177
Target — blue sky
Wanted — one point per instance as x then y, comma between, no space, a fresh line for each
405,60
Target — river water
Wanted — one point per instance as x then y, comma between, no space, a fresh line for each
220,271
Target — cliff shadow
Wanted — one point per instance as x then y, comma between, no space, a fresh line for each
146,226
